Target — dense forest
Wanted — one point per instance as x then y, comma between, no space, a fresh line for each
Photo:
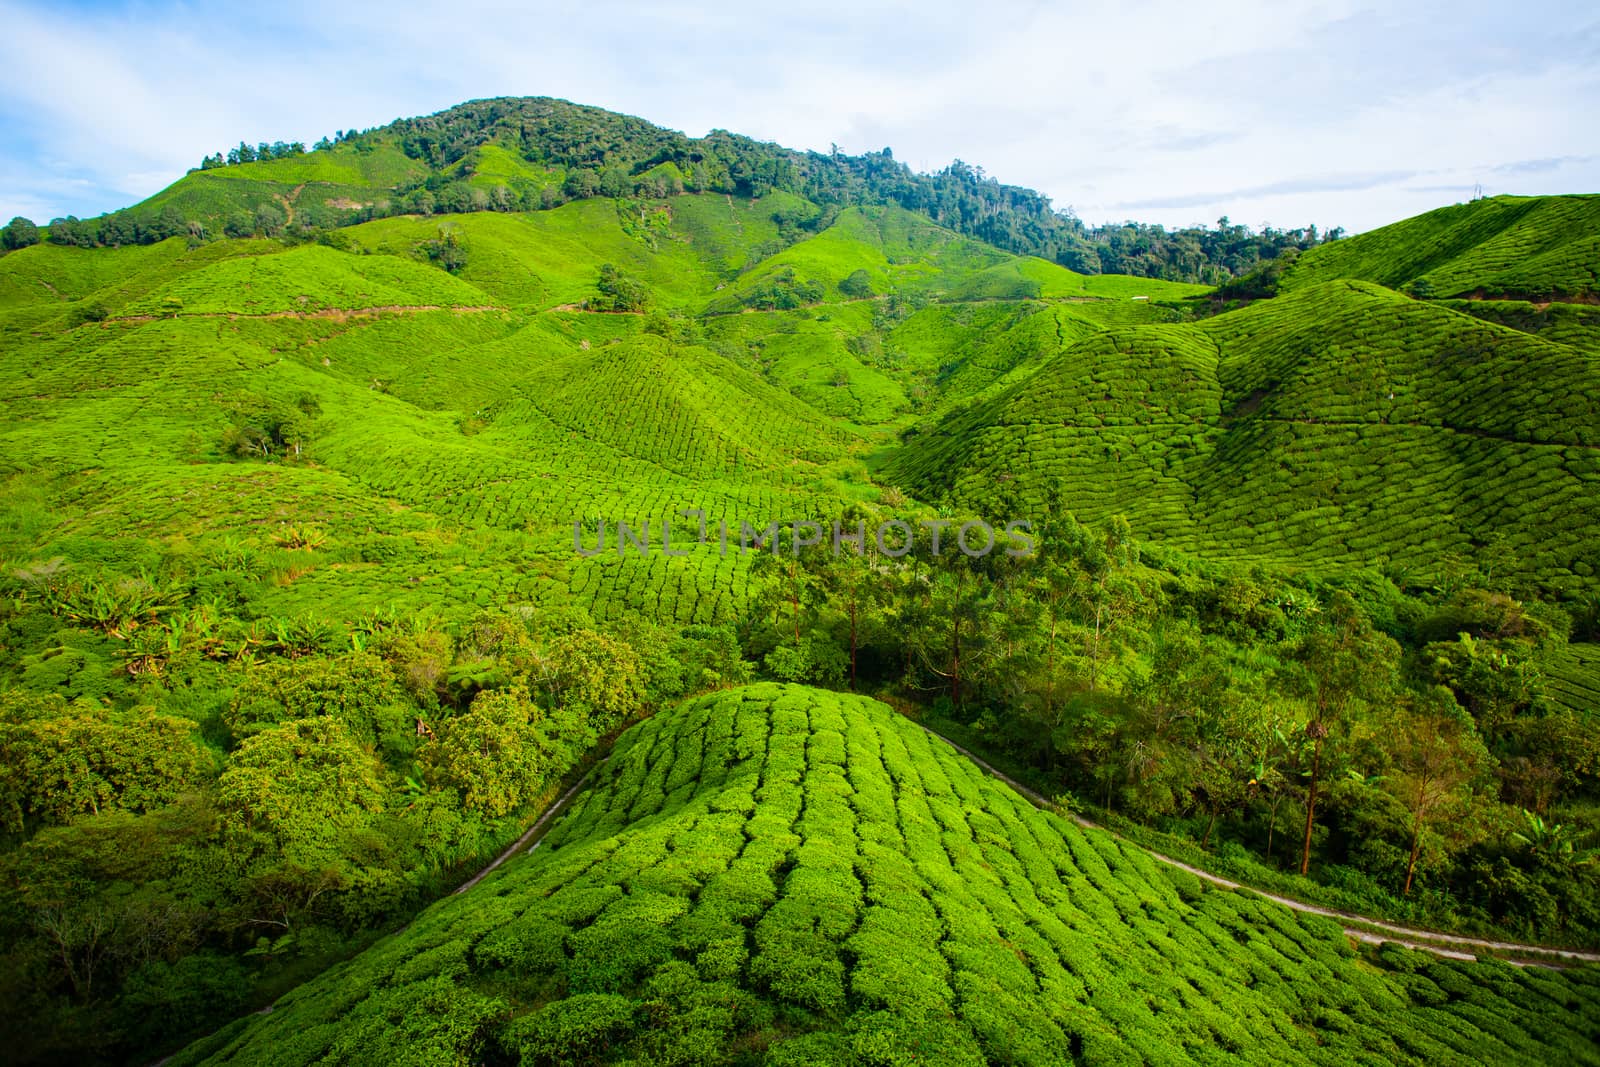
1399,744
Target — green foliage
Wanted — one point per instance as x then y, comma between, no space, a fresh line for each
896,906
58,761
19,233
305,782
446,252
618,291
533,153
261,428
1524,247
259,711
493,755
358,690
857,285
1304,429
783,291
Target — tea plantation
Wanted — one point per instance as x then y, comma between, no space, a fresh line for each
1527,247
1340,422
491,398
776,874
326,481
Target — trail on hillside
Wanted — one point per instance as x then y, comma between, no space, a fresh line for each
1410,938
1425,940
288,204
544,820
322,313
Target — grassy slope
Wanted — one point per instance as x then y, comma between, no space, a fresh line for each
785,875
1530,247
1266,433
455,448
340,177
1342,422
894,247
309,278
1577,325
550,258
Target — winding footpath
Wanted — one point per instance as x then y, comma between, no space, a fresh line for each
544,820
511,850
1426,940
1423,940
1358,927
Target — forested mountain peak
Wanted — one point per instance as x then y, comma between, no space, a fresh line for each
535,153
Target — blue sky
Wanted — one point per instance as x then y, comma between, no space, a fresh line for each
1285,113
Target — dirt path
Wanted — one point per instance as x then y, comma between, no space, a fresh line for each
511,850
339,314
1426,940
288,204
544,820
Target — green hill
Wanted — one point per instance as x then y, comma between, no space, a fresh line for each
1527,247
535,153
313,593
781,875
1341,422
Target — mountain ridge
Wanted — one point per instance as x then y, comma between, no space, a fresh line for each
534,153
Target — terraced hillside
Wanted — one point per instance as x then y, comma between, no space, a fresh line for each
424,402
313,594
782,875
1340,422
1526,247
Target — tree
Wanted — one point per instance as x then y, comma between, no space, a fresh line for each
296,800
1350,665
618,291
357,689
858,286
19,233
1109,595
81,759
854,580
958,621
1091,732
446,252
270,220
581,183
1439,756
265,427
597,680
493,755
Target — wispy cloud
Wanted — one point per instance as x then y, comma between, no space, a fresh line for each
1541,166
1327,183
1330,111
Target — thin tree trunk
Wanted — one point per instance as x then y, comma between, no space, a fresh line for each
1416,847
852,643
1094,660
1050,671
1311,806
794,603
955,645
1416,832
